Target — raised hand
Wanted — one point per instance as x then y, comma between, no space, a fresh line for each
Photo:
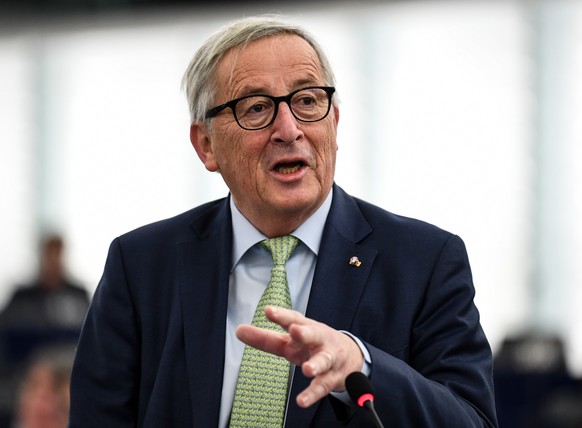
324,354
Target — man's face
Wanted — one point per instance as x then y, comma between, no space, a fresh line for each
279,175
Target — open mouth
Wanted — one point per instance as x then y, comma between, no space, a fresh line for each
288,168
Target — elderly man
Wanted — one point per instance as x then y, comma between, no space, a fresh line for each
250,311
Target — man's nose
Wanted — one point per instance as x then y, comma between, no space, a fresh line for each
286,126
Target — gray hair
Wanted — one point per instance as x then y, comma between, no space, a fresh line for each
199,80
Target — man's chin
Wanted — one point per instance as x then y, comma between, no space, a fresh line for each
297,203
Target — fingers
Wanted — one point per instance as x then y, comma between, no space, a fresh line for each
303,332
285,317
330,368
319,363
265,340
324,354
281,344
318,389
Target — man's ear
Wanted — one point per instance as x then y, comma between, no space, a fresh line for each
336,114
200,139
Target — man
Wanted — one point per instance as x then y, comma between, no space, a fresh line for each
48,309
370,291
52,305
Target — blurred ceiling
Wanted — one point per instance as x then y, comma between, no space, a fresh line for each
30,13
75,6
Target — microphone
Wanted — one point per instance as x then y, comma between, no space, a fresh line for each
361,392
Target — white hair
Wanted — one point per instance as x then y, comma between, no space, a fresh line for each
199,80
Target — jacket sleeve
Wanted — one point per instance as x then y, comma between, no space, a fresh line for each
104,383
443,378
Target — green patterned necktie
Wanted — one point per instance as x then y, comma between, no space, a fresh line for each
261,390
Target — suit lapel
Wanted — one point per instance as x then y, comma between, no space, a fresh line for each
337,283
203,275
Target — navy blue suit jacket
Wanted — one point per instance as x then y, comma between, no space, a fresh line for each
152,349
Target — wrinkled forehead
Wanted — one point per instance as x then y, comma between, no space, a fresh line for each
282,53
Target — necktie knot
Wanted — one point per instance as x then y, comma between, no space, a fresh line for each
281,248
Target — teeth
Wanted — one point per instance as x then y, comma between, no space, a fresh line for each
289,169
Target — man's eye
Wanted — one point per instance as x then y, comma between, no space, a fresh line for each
257,108
254,108
306,101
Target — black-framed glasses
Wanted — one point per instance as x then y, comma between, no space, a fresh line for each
255,112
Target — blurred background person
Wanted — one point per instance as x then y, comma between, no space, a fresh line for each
52,300
50,309
43,398
533,385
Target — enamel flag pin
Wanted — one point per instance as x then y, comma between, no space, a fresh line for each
354,261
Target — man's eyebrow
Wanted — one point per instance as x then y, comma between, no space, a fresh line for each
305,82
262,90
253,90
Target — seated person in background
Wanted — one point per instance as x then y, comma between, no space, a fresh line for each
43,398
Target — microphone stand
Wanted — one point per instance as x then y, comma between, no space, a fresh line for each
370,406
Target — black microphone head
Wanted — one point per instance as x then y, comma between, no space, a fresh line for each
359,388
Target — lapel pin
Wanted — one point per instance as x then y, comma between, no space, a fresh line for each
354,261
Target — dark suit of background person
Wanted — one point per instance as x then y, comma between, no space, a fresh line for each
153,346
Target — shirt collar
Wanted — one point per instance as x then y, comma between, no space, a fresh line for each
245,235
